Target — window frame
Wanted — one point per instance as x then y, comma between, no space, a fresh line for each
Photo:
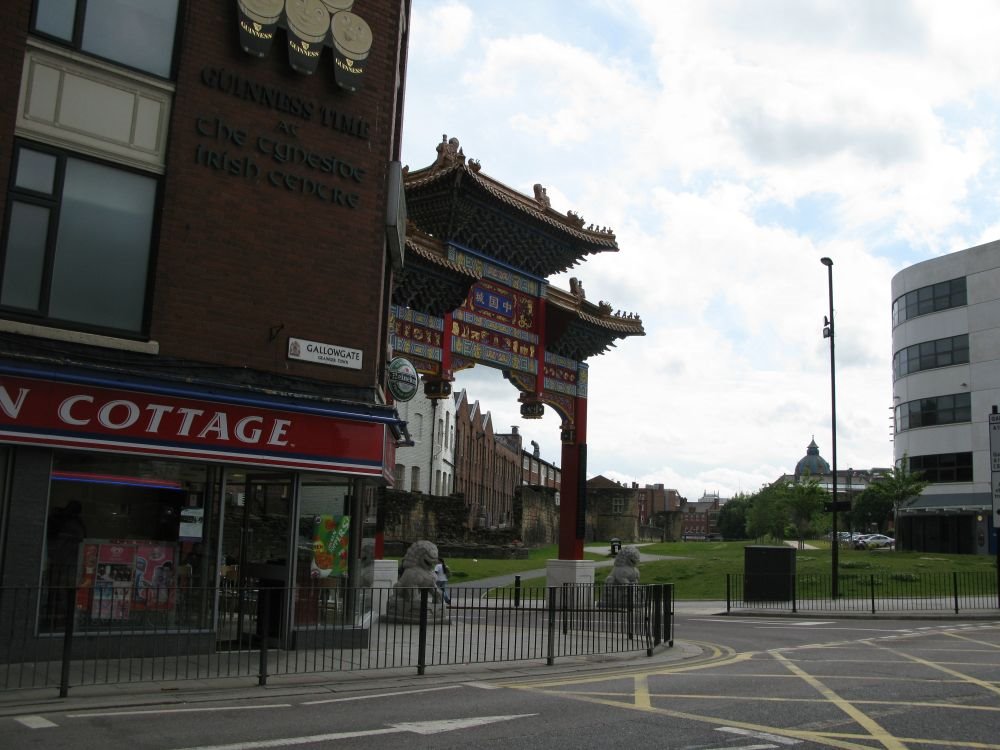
933,411
944,468
942,295
930,355
75,43
54,202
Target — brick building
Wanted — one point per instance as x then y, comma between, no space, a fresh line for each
194,292
487,470
701,518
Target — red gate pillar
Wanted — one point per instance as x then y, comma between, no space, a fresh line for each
573,489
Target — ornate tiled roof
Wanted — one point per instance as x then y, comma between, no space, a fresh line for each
454,200
429,282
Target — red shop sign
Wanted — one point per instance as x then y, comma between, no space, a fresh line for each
69,415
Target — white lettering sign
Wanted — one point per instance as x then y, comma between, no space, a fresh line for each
324,354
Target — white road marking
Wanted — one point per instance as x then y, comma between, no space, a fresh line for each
417,727
209,709
763,622
380,695
483,685
760,735
35,722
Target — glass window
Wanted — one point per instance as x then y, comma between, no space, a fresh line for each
324,531
414,479
928,355
943,467
82,255
24,261
56,18
135,537
136,33
927,412
36,171
929,299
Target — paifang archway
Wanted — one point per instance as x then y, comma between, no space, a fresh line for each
474,291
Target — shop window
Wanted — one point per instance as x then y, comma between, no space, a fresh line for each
136,33
135,539
323,538
77,246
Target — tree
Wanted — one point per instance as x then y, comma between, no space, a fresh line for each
871,507
899,487
804,501
767,514
732,521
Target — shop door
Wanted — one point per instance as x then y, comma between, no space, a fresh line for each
256,544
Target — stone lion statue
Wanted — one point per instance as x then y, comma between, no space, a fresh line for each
626,570
418,574
624,573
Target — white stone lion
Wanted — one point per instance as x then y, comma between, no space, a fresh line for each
624,573
418,575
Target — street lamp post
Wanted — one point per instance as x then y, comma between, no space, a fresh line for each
828,332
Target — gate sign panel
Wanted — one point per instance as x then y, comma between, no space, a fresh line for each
995,466
500,322
419,336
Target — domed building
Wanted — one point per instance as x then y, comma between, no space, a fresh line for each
812,467
812,464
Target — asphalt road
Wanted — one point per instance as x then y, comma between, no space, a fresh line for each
747,683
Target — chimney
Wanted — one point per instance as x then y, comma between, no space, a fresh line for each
513,430
535,450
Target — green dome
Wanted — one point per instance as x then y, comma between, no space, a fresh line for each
812,463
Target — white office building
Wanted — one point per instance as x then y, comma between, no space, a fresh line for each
946,381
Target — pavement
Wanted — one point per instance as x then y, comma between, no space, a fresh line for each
192,692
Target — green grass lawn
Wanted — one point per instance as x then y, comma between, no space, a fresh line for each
465,569
700,573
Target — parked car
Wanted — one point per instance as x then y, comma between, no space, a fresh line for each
874,541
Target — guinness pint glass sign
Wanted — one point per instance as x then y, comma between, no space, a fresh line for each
310,26
403,379
258,22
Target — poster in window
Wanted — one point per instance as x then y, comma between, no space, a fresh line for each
111,597
155,567
330,537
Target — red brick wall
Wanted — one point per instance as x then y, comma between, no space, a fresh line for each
238,257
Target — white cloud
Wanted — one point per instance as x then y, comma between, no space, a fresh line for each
442,29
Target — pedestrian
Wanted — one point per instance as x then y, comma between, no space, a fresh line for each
441,573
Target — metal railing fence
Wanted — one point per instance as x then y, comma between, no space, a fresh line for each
67,637
863,592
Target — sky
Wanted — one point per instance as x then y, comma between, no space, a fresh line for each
729,145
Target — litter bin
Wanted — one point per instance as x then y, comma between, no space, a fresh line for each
616,546
768,574
271,582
